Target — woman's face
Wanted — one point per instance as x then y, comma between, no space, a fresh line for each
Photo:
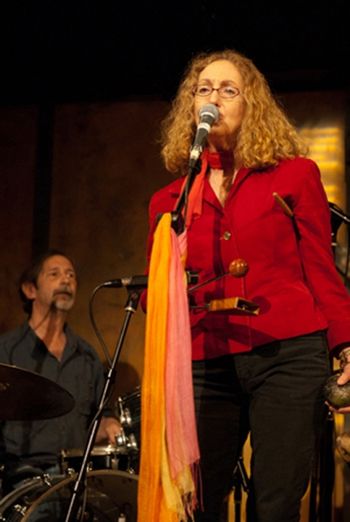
219,74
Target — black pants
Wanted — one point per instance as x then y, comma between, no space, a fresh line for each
275,392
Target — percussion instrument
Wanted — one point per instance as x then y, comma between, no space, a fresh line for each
101,457
25,395
110,496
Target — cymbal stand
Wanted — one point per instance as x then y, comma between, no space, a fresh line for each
323,473
74,512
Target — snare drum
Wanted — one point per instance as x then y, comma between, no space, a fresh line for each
109,494
101,457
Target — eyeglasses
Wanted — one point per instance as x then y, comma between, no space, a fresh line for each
228,92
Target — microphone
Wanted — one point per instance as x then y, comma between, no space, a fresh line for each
137,281
141,281
208,115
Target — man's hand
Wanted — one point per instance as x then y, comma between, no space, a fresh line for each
108,430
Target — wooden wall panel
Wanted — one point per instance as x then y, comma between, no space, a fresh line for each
17,167
106,166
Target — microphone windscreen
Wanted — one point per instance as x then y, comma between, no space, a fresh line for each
209,113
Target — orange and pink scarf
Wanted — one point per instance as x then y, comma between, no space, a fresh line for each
169,467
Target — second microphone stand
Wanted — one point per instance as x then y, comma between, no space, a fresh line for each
75,510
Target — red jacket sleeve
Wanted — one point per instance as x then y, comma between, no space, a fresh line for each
312,215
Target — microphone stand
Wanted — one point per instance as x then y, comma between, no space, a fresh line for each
81,481
177,221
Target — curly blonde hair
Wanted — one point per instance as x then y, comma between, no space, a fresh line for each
266,135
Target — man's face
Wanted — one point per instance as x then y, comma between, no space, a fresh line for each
56,284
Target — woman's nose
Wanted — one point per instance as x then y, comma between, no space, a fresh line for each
214,97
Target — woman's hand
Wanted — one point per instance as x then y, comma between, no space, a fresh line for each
343,378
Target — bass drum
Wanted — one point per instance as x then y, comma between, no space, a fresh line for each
110,495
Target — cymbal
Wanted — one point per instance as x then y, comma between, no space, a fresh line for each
25,395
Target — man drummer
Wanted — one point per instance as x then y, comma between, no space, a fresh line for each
46,345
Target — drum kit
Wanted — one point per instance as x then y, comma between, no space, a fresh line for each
111,480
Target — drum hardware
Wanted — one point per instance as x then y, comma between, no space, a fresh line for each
127,441
125,415
129,407
129,414
46,479
16,475
69,471
20,509
25,487
44,398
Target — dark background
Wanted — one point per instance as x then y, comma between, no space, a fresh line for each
92,51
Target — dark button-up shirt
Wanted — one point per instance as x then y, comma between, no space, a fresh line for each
79,371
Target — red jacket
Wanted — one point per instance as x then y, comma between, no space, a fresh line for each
292,275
